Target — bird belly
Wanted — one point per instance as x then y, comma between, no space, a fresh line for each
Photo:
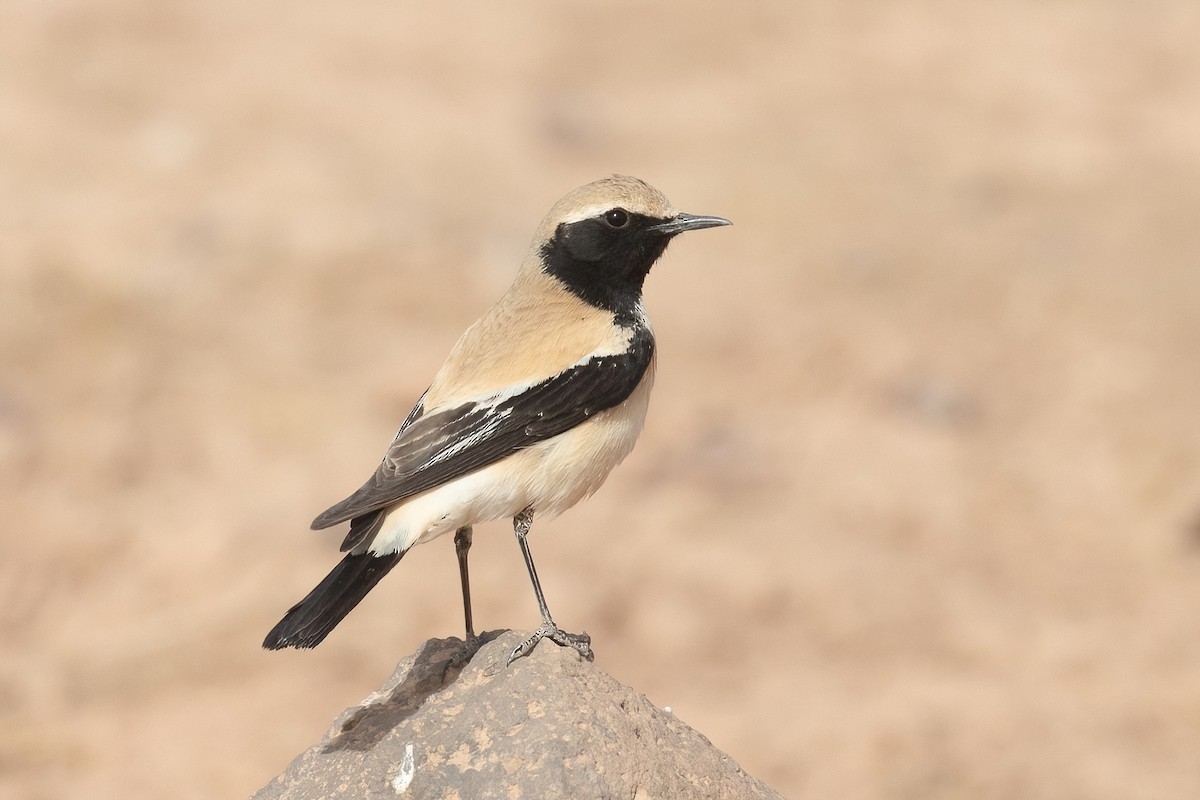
574,464
550,476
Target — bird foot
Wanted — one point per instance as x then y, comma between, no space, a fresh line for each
580,642
460,659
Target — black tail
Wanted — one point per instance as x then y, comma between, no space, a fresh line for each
308,622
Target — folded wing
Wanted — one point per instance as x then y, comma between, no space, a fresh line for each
434,448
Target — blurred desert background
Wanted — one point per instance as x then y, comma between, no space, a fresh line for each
917,510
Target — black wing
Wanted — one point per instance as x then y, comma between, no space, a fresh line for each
433,449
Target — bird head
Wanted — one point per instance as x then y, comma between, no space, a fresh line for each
602,239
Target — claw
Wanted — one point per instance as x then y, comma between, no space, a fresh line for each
579,642
463,656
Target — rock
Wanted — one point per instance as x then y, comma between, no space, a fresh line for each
452,724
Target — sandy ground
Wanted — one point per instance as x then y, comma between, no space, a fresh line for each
917,510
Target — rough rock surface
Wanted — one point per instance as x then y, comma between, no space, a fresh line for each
449,724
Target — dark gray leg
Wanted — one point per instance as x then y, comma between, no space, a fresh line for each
548,630
462,544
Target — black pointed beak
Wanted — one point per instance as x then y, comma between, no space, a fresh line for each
688,222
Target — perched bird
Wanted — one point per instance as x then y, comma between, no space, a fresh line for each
537,402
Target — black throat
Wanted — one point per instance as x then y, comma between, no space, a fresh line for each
603,266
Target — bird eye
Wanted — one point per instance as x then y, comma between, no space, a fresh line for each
617,218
